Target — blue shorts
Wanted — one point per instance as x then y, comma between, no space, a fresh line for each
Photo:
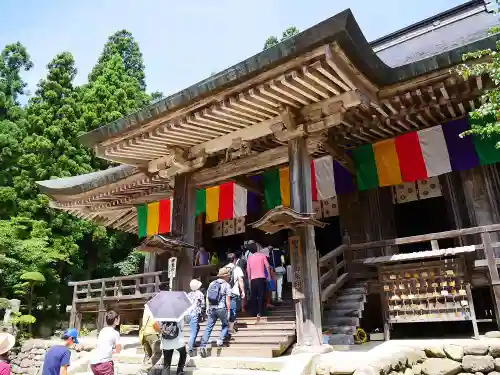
271,285
235,302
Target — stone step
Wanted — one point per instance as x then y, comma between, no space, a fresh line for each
247,340
342,321
134,370
131,358
244,350
340,339
355,290
347,313
246,332
272,313
267,350
273,320
346,306
348,330
351,298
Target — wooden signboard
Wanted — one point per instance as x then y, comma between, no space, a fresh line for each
430,291
296,257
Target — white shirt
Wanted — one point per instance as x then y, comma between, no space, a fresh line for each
176,343
237,275
107,340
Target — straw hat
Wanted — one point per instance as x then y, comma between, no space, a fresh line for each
195,285
7,342
223,272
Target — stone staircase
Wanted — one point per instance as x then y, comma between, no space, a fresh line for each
271,337
129,363
342,314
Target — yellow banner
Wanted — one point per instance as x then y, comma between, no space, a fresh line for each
212,204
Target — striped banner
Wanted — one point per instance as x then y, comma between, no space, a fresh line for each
224,202
423,154
328,178
154,218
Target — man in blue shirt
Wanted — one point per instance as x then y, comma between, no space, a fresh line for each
56,360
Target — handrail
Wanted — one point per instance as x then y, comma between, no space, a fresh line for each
331,281
332,288
116,278
427,237
325,259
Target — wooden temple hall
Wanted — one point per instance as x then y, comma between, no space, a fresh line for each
347,151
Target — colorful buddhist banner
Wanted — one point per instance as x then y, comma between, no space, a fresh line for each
423,154
328,178
224,202
154,218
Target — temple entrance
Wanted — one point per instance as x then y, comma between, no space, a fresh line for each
329,237
420,208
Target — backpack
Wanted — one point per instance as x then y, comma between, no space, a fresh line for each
169,330
242,263
231,268
214,293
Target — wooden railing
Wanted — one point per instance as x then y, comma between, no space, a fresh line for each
119,288
385,247
335,266
134,286
331,280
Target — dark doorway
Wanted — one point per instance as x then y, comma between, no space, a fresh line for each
422,217
329,237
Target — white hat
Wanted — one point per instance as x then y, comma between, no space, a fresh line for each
7,342
195,285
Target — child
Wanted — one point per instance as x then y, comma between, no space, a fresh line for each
56,360
172,338
198,300
108,342
7,342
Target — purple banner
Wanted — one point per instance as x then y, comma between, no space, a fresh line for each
344,182
461,150
253,200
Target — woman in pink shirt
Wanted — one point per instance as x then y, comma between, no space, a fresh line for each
257,265
7,342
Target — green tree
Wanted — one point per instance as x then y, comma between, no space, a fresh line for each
116,87
486,118
13,60
123,43
272,40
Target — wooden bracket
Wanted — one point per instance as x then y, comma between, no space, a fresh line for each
248,184
338,154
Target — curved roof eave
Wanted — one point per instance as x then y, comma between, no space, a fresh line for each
85,182
341,29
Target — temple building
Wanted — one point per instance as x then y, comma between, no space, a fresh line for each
348,153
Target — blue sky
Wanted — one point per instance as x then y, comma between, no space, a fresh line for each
184,41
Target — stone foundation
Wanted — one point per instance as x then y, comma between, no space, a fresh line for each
30,358
467,357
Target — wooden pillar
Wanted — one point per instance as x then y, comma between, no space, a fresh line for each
183,228
454,197
150,262
479,199
307,309
493,274
378,218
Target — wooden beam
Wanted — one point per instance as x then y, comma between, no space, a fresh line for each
427,237
338,154
338,60
248,184
220,96
348,99
229,170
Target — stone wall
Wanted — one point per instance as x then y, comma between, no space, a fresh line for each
29,359
472,357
